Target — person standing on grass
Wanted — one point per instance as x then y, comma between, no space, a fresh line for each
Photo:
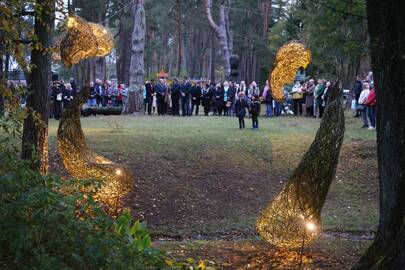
356,89
371,106
319,91
160,90
185,91
255,111
175,93
231,98
298,97
67,95
196,97
207,94
362,107
219,99
268,100
120,98
225,106
149,87
240,109
309,100
57,99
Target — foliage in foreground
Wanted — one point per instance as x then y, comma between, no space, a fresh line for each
47,223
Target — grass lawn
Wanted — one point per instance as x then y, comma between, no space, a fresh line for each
203,178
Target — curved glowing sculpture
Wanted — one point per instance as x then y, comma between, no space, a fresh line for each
294,216
82,163
290,57
84,40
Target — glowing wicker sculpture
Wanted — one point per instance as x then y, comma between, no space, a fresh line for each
294,216
84,40
82,163
290,57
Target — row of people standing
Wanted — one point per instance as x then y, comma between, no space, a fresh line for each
61,94
185,97
313,94
107,94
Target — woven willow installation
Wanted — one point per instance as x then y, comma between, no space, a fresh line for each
82,163
84,40
290,57
294,216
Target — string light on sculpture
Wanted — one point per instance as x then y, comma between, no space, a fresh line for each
293,218
82,163
84,40
290,57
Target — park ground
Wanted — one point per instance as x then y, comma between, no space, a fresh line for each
200,183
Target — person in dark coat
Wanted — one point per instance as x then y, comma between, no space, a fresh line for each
91,102
309,101
255,111
357,88
185,92
161,91
73,85
207,94
175,94
98,87
67,95
219,99
240,109
231,98
149,88
57,95
195,97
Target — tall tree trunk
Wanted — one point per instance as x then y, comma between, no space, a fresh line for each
179,38
222,32
35,133
137,69
386,21
124,48
213,57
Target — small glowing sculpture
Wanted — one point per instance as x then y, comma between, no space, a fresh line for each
82,163
290,57
293,218
84,40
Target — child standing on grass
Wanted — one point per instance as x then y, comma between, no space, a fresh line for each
255,111
240,109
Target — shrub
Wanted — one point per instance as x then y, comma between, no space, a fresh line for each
48,223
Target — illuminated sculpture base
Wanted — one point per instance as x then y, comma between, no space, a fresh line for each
82,163
293,217
290,57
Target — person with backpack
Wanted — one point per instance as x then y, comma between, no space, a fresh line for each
255,111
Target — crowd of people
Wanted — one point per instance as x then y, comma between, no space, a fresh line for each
101,94
365,102
185,97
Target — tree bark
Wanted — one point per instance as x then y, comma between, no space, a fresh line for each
137,69
222,34
124,46
35,133
386,21
179,37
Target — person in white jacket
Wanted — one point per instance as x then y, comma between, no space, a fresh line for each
362,103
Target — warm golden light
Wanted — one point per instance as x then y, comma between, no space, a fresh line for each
82,163
310,226
84,40
283,223
293,218
290,57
